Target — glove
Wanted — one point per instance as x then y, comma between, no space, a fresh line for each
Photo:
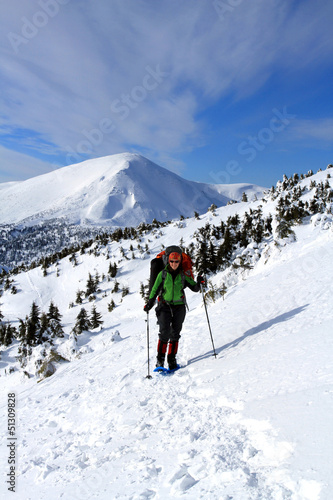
200,280
149,305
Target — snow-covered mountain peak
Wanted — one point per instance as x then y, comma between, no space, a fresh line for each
118,190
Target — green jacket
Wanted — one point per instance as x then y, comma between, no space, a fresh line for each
173,286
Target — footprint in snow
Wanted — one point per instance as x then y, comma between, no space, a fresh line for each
46,470
146,494
182,480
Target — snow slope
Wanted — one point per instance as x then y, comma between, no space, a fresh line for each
254,423
123,189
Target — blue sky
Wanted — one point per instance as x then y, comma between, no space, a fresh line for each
219,91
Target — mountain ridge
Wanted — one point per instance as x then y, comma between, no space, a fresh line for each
116,190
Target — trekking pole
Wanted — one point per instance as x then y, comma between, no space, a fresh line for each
210,330
148,376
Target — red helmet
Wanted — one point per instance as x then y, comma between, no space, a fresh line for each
175,256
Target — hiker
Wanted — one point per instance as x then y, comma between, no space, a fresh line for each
171,308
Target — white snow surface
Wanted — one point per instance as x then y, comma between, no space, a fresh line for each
253,423
118,190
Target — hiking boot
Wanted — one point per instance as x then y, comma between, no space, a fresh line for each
161,351
173,349
172,362
160,361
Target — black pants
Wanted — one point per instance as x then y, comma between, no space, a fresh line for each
170,320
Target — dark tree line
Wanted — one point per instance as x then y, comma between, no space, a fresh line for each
39,327
216,244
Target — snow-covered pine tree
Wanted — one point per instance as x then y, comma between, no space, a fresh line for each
111,305
33,326
34,313
112,270
22,331
10,334
44,325
54,321
82,322
91,286
78,299
212,261
73,259
3,330
53,312
283,229
202,259
95,318
31,333
226,248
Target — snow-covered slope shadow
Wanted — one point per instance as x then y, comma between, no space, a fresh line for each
263,327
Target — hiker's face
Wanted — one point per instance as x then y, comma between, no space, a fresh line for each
174,264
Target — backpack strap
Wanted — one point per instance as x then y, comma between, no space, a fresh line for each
164,273
160,292
183,288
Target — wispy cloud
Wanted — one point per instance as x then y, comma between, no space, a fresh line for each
62,82
17,166
316,131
